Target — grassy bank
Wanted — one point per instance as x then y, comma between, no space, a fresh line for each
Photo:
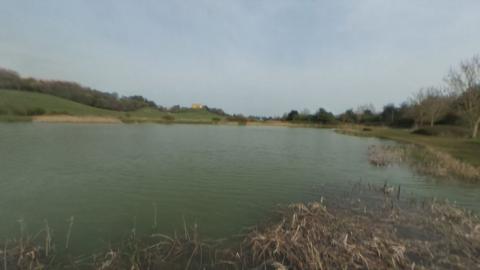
18,106
462,149
375,228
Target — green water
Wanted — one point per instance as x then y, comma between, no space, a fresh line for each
223,178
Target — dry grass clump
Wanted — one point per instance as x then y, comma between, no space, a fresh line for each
385,155
25,254
424,159
379,231
22,256
155,251
313,237
443,165
159,251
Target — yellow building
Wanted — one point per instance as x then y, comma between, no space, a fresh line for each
197,106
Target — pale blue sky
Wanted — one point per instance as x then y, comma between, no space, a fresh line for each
251,57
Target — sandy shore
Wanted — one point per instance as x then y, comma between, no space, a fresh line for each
75,119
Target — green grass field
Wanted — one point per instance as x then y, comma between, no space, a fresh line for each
18,102
17,105
464,149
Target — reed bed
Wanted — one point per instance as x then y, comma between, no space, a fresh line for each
313,237
385,155
425,160
375,228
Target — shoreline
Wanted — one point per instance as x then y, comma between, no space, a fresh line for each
92,119
464,150
75,119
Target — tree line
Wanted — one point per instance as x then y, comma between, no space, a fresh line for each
73,91
455,102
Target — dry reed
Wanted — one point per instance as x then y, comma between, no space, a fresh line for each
374,231
424,160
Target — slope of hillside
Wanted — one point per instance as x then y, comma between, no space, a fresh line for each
19,105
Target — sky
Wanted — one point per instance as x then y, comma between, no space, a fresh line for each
256,57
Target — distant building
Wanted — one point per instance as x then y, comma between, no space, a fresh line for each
197,106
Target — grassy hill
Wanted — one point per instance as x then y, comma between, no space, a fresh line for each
20,105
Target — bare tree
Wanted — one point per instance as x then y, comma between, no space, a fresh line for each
465,85
364,110
417,110
435,104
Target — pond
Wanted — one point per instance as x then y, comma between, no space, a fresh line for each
112,178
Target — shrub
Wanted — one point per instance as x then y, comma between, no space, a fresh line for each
242,122
426,132
35,111
448,131
168,118
59,113
240,119
215,120
454,131
3,112
19,112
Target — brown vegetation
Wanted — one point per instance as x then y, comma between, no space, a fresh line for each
312,236
425,160
375,230
382,155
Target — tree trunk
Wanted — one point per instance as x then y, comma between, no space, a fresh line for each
475,128
432,122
